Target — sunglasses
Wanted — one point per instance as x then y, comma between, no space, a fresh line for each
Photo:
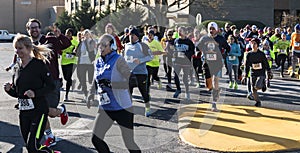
170,34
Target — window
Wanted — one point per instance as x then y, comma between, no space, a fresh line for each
72,6
76,5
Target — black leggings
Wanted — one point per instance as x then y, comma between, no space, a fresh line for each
281,58
152,71
103,123
32,128
67,73
140,81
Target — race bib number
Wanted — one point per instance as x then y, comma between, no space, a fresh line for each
257,66
181,55
25,104
103,99
172,47
211,57
282,51
69,56
129,59
231,58
297,44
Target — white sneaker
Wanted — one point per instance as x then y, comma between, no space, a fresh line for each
192,82
187,96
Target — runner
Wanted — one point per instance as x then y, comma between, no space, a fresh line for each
136,55
211,46
68,62
196,59
57,43
33,82
184,50
170,47
86,56
257,61
233,61
281,46
295,45
153,65
111,75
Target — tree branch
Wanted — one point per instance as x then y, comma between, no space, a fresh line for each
192,1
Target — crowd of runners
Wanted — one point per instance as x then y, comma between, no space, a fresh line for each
109,67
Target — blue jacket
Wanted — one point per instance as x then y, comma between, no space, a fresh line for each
114,68
234,54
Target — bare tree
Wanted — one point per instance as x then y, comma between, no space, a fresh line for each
162,7
289,20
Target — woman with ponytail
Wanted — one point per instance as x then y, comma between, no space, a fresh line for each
33,82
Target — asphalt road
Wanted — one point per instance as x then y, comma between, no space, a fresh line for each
158,133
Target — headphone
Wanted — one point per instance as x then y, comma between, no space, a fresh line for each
113,43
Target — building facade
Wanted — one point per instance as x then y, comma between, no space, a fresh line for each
15,13
269,12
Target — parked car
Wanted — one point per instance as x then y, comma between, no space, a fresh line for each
6,36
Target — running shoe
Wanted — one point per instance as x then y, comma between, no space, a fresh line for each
250,97
147,112
214,107
169,88
258,104
235,86
50,142
64,116
230,84
176,94
159,85
187,96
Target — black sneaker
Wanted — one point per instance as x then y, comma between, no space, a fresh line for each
258,104
176,94
264,88
168,88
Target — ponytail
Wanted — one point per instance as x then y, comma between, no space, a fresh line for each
41,52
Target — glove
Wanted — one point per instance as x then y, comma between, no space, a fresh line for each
270,75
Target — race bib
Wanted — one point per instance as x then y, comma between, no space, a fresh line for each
282,51
69,56
25,104
231,58
84,54
172,47
257,66
129,59
103,99
181,55
211,57
297,44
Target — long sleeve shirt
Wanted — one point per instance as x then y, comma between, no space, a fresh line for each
34,76
140,51
258,63
57,44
